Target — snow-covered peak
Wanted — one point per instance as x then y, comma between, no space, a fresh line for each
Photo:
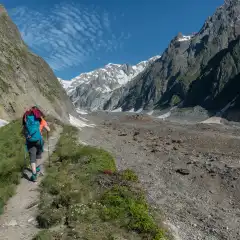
152,59
144,64
184,38
64,83
108,78
109,65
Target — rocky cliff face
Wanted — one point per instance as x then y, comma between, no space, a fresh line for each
94,89
25,78
194,70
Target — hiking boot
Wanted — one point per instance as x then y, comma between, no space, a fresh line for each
38,169
33,178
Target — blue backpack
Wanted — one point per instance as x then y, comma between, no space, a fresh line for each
32,127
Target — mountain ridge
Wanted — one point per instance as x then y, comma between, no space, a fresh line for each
26,79
93,89
168,81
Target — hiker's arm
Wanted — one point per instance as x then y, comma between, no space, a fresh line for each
45,125
47,128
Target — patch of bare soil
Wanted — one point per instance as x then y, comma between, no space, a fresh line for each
138,117
190,172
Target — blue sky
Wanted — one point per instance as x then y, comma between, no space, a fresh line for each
81,35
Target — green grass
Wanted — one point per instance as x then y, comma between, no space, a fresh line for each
129,175
11,160
83,196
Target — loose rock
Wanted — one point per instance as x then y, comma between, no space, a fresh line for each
183,171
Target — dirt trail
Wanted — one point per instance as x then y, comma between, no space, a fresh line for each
18,221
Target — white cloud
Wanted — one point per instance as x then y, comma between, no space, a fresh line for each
106,21
67,35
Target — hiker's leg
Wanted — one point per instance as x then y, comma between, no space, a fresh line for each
39,157
33,157
33,166
39,163
32,150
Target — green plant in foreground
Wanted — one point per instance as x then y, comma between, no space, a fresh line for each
129,175
132,210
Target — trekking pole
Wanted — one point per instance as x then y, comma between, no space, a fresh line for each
49,162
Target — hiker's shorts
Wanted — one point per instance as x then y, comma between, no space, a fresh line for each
35,150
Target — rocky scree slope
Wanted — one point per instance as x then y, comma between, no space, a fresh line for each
201,69
93,90
25,78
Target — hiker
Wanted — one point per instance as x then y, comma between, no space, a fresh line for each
33,125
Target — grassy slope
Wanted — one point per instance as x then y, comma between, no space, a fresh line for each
80,201
11,160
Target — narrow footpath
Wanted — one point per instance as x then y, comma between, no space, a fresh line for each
18,221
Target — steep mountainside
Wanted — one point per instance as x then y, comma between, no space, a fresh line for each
25,78
196,70
92,90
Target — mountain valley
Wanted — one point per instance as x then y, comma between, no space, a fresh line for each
197,70
171,122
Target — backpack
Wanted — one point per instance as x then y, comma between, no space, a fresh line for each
32,128
35,111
